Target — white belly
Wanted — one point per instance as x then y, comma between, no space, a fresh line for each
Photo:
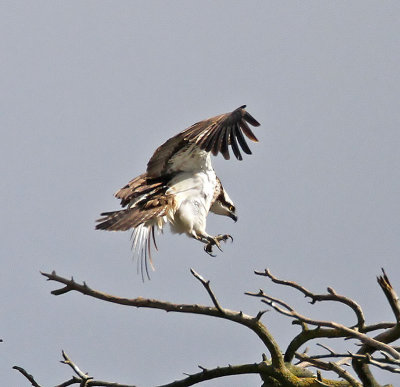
193,196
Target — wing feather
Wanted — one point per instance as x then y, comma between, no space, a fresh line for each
213,135
218,144
247,131
241,140
138,187
224,147
212,139
234,145
148,209
125,219
250,119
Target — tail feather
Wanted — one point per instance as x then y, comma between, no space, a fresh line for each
141,246
142,235
142,217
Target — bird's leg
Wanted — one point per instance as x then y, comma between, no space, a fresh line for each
206,239
210,241
214,241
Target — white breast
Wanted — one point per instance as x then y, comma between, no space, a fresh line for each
193,195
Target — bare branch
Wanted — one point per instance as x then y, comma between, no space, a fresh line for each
28,376
331,296
383,365
377,326
331,351
239,317
260,314
207,286
317,333
387,336
329,367
83,376
344,374
82,379
274,371
287,310
73,380
219,372
390,294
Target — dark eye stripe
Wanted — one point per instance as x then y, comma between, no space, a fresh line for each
224,202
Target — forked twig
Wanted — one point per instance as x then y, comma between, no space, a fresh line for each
330,366
28,376
206,284
285,309
331,296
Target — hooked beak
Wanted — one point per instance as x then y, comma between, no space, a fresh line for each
233,216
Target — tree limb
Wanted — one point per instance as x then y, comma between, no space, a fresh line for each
28,376
387,336
207,286
390,294
278,371
219,372
331,296
250,322
330,367
287,310
83,379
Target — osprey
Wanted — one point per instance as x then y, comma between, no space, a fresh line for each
180,186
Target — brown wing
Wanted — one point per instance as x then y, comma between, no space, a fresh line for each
155,206
137,187
213,135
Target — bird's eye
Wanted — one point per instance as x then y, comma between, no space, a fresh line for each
231,208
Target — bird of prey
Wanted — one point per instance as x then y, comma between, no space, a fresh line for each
180,186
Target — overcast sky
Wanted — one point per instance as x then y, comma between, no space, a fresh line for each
90,89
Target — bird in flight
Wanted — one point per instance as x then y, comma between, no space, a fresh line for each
180,186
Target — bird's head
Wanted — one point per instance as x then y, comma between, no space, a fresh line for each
223,205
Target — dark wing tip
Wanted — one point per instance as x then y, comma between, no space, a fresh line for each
241,126
219,133
247,116
228,131
250,119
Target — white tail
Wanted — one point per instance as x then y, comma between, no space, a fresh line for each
141,247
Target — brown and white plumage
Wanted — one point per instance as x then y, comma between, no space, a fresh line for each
180,186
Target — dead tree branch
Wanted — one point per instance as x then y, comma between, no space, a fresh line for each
219,372
277,371
83,379
330,329
330,366
207,286
31,379
331,296
250,322
388,336
287,310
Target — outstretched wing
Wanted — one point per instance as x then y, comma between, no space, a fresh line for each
194,144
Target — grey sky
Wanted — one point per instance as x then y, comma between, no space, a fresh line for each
90,89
